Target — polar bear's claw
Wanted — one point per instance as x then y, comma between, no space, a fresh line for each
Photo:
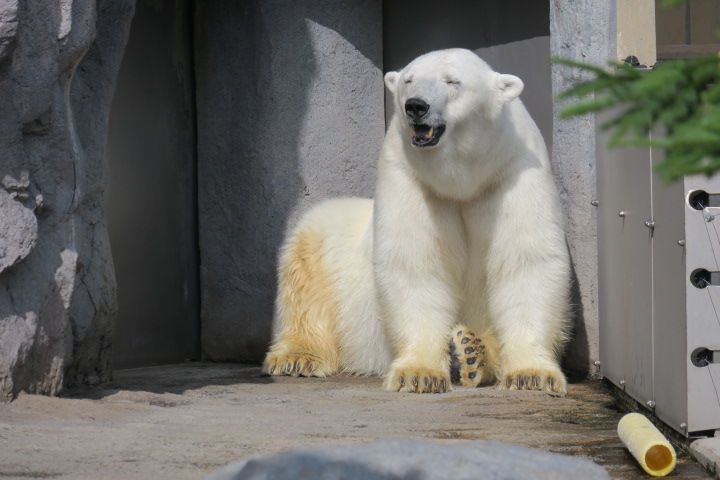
296,365
550,380
417,380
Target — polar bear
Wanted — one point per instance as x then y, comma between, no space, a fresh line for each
463,246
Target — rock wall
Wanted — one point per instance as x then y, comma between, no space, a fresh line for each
58,62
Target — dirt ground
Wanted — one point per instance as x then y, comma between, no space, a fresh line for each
184,421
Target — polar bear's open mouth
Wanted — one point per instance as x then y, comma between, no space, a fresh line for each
427,136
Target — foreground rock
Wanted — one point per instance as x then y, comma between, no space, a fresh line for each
414,459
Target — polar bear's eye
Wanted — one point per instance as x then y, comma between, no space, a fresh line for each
408,80
452,81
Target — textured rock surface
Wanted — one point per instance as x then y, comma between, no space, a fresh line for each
58,61
290,110
415,459
707,452
581,30
18,230
8,26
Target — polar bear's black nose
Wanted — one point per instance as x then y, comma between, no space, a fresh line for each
416,108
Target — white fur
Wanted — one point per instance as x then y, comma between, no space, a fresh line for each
469,231
344,225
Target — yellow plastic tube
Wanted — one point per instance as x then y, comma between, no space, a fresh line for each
649,447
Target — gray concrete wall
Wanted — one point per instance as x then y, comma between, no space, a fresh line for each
151,190
290,111
57,291
582,30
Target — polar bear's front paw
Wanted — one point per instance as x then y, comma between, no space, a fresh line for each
417,380
469,364
296,364
550,380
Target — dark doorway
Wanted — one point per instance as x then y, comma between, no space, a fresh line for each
151,198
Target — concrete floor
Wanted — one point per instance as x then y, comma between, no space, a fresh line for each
184,421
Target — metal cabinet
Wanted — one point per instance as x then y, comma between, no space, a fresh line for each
659,294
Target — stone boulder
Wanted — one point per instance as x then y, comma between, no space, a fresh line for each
413,459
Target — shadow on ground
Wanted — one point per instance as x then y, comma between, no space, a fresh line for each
176,379
180,378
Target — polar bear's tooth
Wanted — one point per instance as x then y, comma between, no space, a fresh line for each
430,132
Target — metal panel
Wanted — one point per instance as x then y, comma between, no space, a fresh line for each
649,328
703,307
625,263
669,321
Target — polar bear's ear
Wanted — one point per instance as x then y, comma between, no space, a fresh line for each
510,86
391,80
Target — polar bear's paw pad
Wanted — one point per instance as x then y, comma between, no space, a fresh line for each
418,380
296,365
551,381
468,360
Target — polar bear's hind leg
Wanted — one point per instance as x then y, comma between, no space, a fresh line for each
305,342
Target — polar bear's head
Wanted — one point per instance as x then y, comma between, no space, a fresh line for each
438,94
